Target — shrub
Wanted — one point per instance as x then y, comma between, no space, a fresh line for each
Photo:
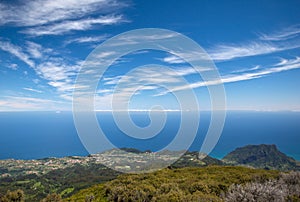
286,188
268,191
292,182
52,198
13,196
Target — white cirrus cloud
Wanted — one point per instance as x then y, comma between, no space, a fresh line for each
88,39
17,52
229,52
288,61
73,25
36,51
41,12
247,69
33,90
149,79
58,73
225,52
143,79
289,64
282,40
55,69
282,35
172,59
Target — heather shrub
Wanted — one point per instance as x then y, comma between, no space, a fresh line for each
285,188
292,182
267,191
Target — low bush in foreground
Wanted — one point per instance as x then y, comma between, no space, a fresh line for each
212,183
184,184
285,188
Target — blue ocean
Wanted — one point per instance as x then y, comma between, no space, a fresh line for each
34,135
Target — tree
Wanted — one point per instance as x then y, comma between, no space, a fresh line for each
13,196
52,198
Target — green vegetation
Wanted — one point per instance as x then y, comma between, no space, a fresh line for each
52,198
13,196
193,177
67,178
66,181
261,156
67,191
210,183
183,184
95,193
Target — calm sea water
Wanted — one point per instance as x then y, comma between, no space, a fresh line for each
32,135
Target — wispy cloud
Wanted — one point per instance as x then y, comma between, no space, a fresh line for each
265,44
13,66
33,90
172,59
16,103
149,78
41,12
284,61
276,68
171,78
58,73
17,52
285,39
73,25
142,37
229,52
231,78
282,35
36,51
247,69
28,53
88,39
148,75
55,17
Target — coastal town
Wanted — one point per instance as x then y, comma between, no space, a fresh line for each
116,159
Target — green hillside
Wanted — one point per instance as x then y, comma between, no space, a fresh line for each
261,156
182,184
193,177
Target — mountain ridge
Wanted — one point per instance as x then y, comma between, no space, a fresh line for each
261,156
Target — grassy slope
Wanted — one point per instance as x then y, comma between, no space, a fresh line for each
184,184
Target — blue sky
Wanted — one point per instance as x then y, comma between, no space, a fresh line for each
255,46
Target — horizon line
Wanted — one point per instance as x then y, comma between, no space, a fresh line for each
148,110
